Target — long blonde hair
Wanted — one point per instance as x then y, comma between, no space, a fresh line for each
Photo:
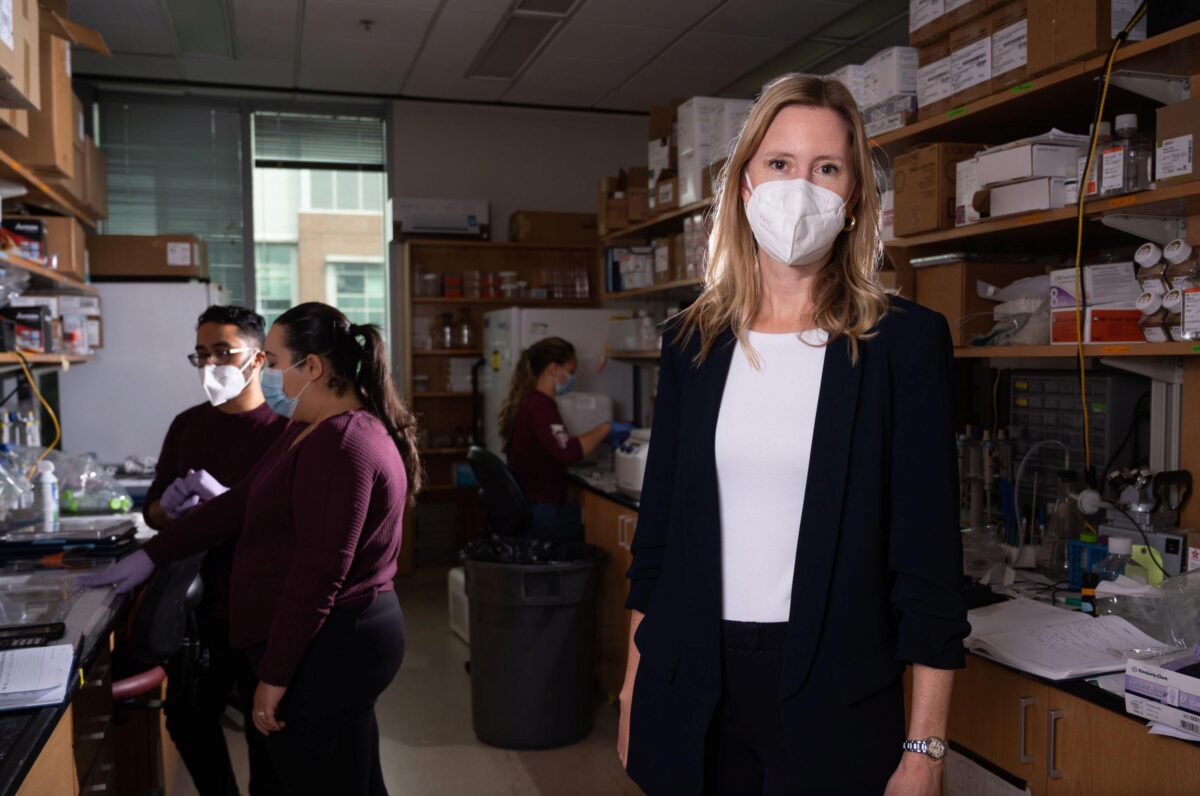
848,298
534,360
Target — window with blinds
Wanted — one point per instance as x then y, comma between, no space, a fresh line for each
177,169
308,141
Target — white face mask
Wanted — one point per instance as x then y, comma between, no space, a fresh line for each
223,383
795,221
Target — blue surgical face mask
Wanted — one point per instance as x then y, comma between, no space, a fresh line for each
565,387
277,399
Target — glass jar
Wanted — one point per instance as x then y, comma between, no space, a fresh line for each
1154,318
1182,269
1152,268
1173,305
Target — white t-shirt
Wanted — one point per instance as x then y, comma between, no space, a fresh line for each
763,444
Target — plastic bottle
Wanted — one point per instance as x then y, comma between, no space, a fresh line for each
1152,269
446,337
466,331
45,494
1183,271
1154,318
1119,562
1091,185
1064,525
1139,153
1173,304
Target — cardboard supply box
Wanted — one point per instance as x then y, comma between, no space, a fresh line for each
49,148
949,288
1108,323
612,212
32,332
661,157
533,226
61,241
95,199
666,193
960,12
178,256
13,122
1062,31
1010,44
27,234
20,46
935,78
1177,131
1027,196
924,184
696,124
926,21
966,185
853,77
1166,690
1102,284
1193,551
75,186
971,56
890,73
1029,160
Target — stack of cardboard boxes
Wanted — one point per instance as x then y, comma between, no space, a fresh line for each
1109,301
623,200
885,88
48,323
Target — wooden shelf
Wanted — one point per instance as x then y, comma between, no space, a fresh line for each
442,395
1059,224
10,358
41,193
665,287
443,451
441,243
46,278
1069,351
1066,93
671,216
502,302
636,356
450,352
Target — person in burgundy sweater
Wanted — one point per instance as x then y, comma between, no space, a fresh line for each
536,442
216,442
320,520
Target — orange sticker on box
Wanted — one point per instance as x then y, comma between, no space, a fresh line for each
1122,201
1032,218
1109,350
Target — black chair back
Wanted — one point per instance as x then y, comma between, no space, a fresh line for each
504,504
162,617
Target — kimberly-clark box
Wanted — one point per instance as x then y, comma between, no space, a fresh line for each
891,73
1166,690
1103,283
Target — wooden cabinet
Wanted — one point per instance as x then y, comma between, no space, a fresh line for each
1061,744
610,527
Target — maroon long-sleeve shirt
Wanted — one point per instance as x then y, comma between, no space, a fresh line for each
227,446
541,449
320,526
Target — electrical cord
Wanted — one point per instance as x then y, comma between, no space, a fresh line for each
1081,201
45,405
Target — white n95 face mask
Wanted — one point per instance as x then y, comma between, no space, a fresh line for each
223,383
795,221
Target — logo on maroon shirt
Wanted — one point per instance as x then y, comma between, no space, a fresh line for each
560,433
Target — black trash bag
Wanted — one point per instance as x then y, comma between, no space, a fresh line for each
525,550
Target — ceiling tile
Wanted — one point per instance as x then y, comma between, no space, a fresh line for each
674,14
452,45
259,48
276,18
89,63
576,83
200,69
338,66
609,43
336,21
658,83
716,51
773,19
148,38
494,7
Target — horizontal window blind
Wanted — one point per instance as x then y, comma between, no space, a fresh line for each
295,140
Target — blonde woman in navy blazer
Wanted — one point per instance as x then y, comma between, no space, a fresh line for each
814,703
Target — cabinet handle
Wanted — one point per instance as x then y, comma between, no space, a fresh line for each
92,736
620,530
1051,727
1026,703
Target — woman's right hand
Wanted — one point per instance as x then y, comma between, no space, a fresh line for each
625,700
128,573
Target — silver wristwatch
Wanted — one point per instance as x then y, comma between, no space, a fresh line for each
932,747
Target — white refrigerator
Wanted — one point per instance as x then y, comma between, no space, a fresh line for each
508,332
122,402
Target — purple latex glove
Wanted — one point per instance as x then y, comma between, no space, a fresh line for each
202,484
126,574
189,503
174,496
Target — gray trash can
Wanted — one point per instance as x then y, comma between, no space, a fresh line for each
533,649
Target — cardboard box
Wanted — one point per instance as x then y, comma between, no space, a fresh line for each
33,331
853,77
924,184
20,46
616,212
971,56
171,256
1063,31
1024,162
95,199
949,288
1027,196
13,121
49,148
95,332
639,204
662,122
887,215
696,125
666,194
885,124
960,12
79,305
1110,323
1102,284
532,226
727,126
75,186
891,73
935,78
1165,690
1193,551
27,234
1177,133
661,157
926,21
63,243
966,185
27,300
1010,44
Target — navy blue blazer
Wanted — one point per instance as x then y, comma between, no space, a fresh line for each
878,572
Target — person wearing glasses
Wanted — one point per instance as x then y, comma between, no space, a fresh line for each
209,448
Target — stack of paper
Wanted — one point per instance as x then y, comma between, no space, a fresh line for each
35,677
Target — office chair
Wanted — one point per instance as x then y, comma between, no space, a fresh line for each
505,506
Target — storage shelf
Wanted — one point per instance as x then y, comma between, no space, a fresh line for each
1171,200
442,395
665,219
450,352
665,287
502,302
41,193
43,277
1069,351
443,451
636,356
10,358
1065,93
442,243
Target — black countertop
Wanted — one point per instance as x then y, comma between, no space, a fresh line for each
602,483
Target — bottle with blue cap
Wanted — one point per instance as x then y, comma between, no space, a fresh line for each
45,495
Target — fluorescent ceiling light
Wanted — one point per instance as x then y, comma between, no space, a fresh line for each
516,42
202,27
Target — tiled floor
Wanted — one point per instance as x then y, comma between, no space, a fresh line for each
428,746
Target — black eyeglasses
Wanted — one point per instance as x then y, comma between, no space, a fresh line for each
217,357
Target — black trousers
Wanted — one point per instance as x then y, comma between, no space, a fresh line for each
195,725
331,742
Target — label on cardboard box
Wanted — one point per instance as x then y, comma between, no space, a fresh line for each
1010,48
666,193
179,255
966,184
885,124
1173,157
972,64
1122,12
1193,552
6,24
1112,169
935,82
922,12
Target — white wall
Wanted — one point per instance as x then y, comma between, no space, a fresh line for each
517,158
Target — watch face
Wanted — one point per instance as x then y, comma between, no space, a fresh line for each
937,748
